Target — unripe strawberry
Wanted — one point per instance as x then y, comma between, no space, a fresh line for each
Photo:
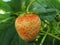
28,26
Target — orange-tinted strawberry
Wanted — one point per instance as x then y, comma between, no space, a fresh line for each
28,26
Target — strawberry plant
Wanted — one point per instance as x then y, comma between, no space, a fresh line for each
29,22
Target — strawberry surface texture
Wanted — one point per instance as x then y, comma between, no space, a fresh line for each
28,26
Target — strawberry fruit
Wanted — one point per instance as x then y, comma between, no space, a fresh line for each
28,26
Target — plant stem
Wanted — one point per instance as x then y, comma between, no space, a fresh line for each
58,38
29,5
53,41
44,37
6,20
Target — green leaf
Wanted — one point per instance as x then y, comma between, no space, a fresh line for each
4,6
15,5
37,8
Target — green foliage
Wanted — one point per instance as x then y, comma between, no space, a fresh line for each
47,10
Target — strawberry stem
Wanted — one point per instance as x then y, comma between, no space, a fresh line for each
44,36
58,38
29,5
